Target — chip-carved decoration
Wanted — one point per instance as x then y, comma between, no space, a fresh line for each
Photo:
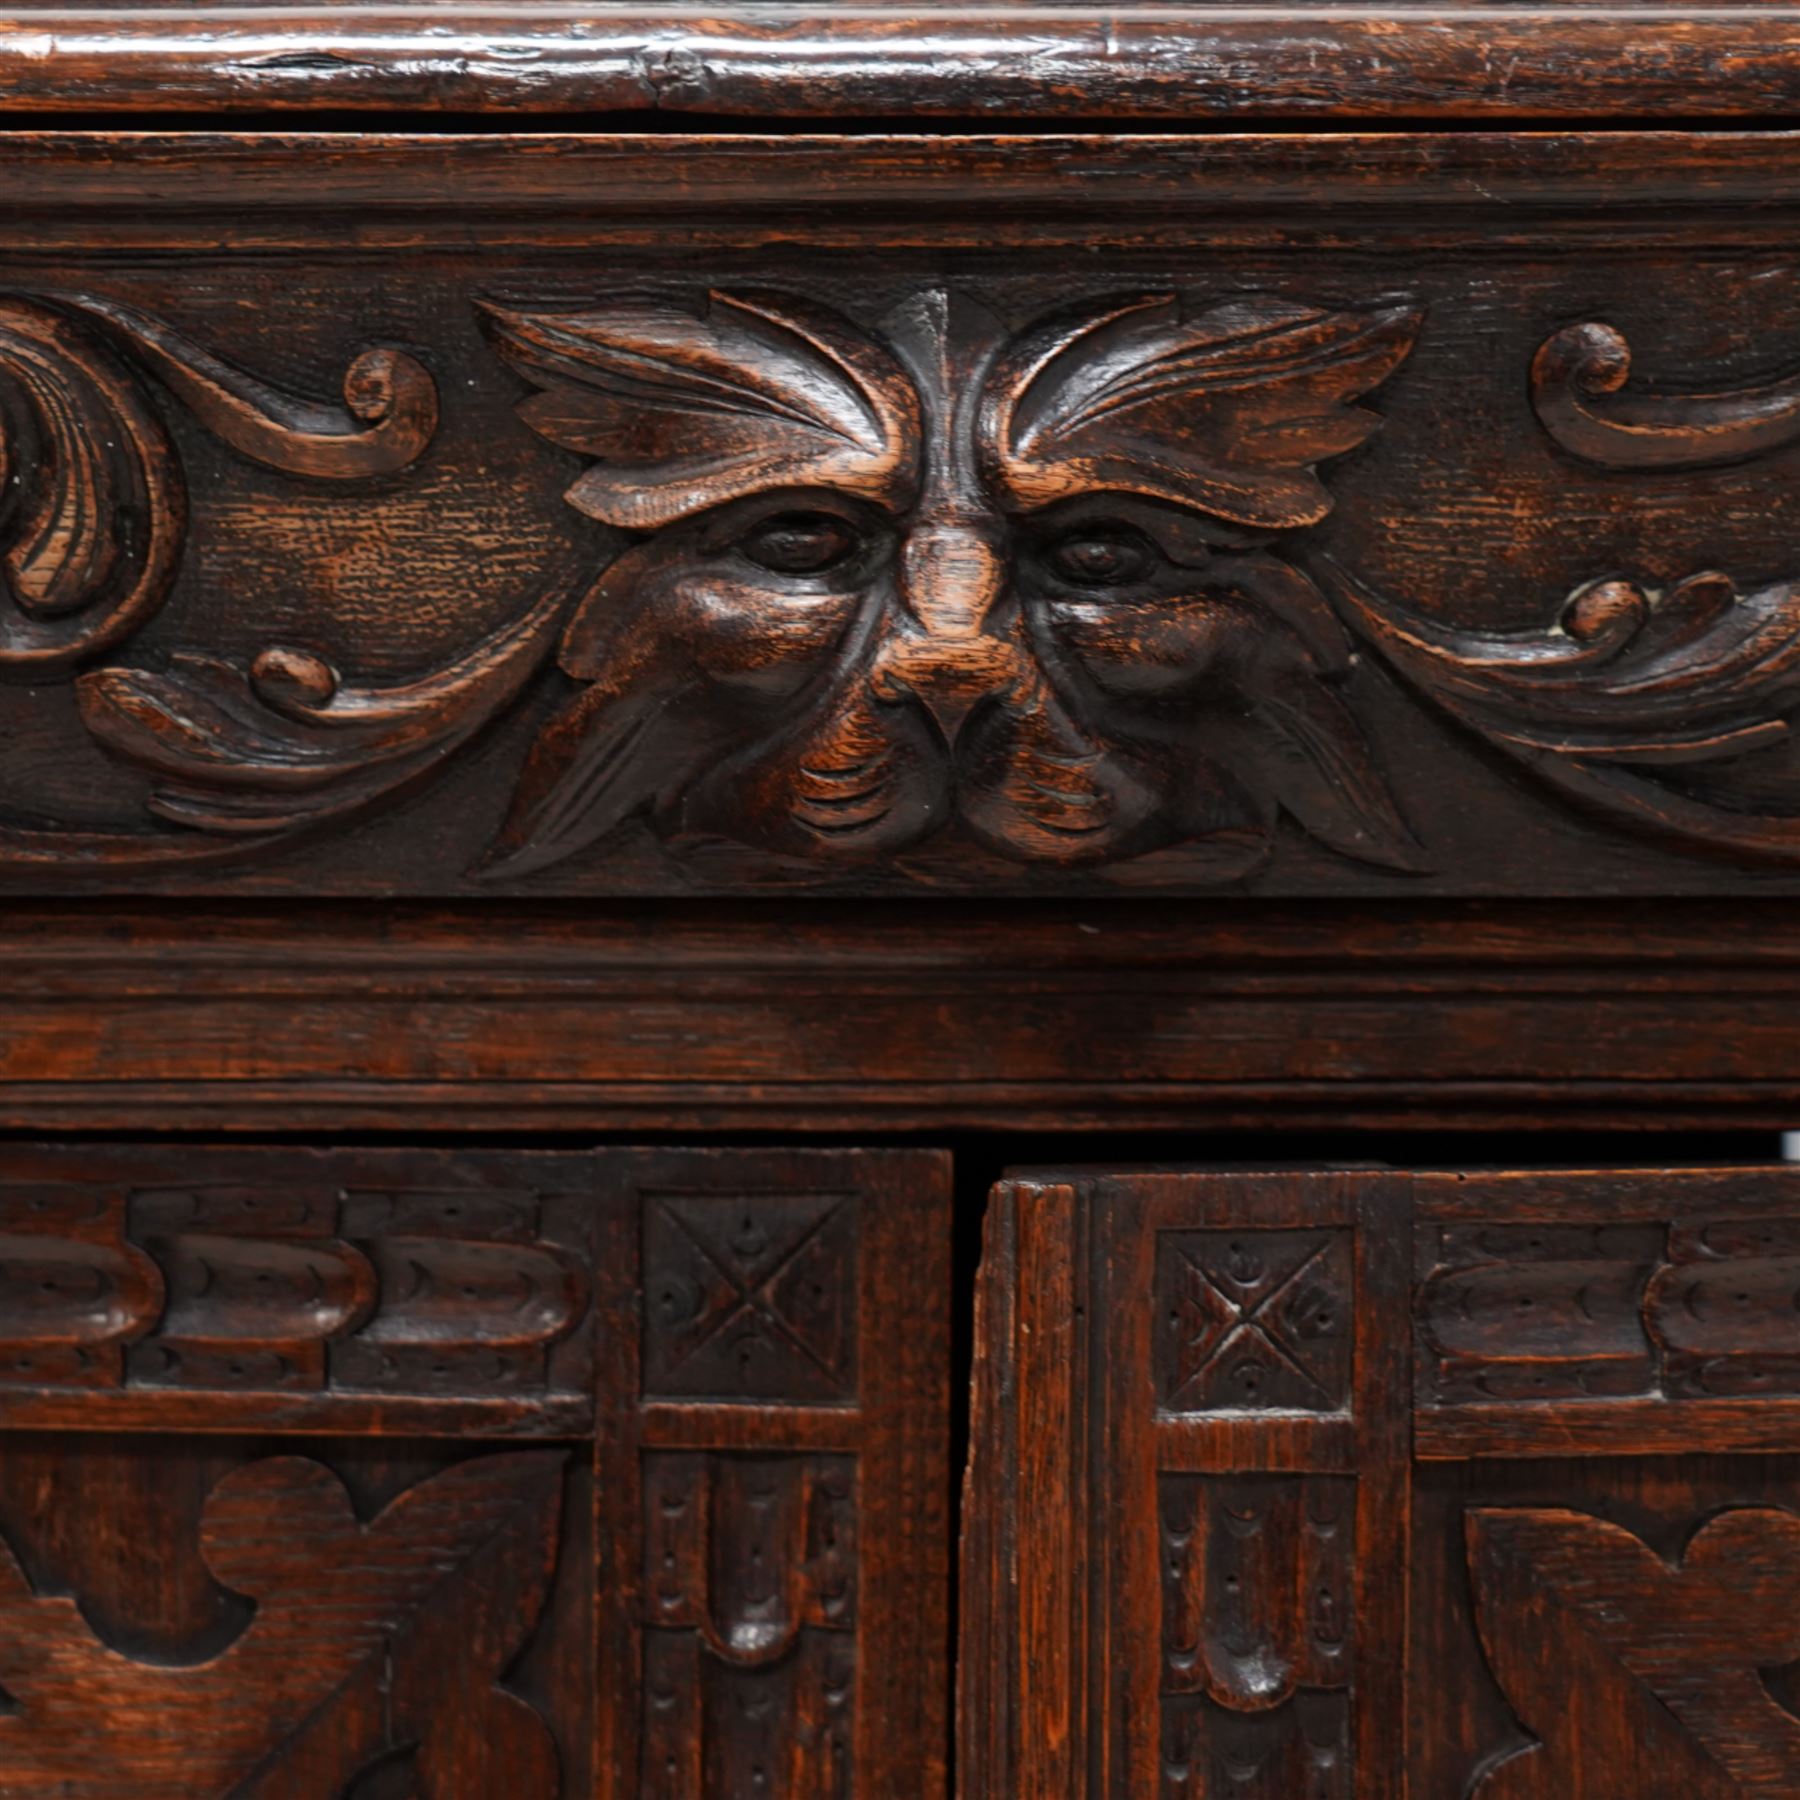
1670,710
1254,1321
1258,1653
751,1296
949,577
300,1291
750,1596
341,1667
1699,1309
1635,1674
1580,387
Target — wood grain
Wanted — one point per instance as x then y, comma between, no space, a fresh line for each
827,62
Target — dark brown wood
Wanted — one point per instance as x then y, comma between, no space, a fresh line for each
940,572
1199,1555
195,1608
831,62
883,1017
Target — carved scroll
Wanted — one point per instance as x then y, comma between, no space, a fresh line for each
1637,1677
952,581
288,742
389,415
92,505
1647,705
1578,382
366,1640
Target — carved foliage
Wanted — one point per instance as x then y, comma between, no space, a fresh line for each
92,503
92,521
1663,708
750,1648
954,576
1578,386
1638,1677
751,1297
294,1291
343,1663
1257,1635
1701,1309
1254,1321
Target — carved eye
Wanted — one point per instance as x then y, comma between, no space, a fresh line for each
1103,555
800,543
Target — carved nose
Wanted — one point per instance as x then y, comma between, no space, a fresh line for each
952,577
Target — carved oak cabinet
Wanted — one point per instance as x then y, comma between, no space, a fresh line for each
899,901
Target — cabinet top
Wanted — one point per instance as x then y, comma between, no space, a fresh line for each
923,62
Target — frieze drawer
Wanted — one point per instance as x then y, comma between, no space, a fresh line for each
634,516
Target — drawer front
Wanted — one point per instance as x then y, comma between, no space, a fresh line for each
1358,1485
1391,516
473,1476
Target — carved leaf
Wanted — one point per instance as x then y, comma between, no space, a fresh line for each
389,415
1227,410
364,1638
1578,380
687,410
92,506
287,742
1639,1678
1638,702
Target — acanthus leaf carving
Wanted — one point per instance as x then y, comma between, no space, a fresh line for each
1226,408
687,407
1013,587
1638,1676
1579,379
93,508
1641,703
341,1663
389,414
288,741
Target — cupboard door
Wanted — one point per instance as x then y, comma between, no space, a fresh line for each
388,1475
1347,1485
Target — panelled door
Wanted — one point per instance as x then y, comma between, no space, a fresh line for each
1346,1485
391,1475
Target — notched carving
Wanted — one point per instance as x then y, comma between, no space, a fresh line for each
750,1612
955,580
295,1291
364,1637
1258,1634
1254,1321
1637,1676
1700,1309
750,1297
1578,387
1657,708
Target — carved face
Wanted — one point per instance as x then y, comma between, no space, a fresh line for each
1015,587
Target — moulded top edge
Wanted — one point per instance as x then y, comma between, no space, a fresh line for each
912,62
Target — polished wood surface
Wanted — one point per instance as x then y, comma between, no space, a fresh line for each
944,572
985,584
842,65
263,1534
1200,1558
